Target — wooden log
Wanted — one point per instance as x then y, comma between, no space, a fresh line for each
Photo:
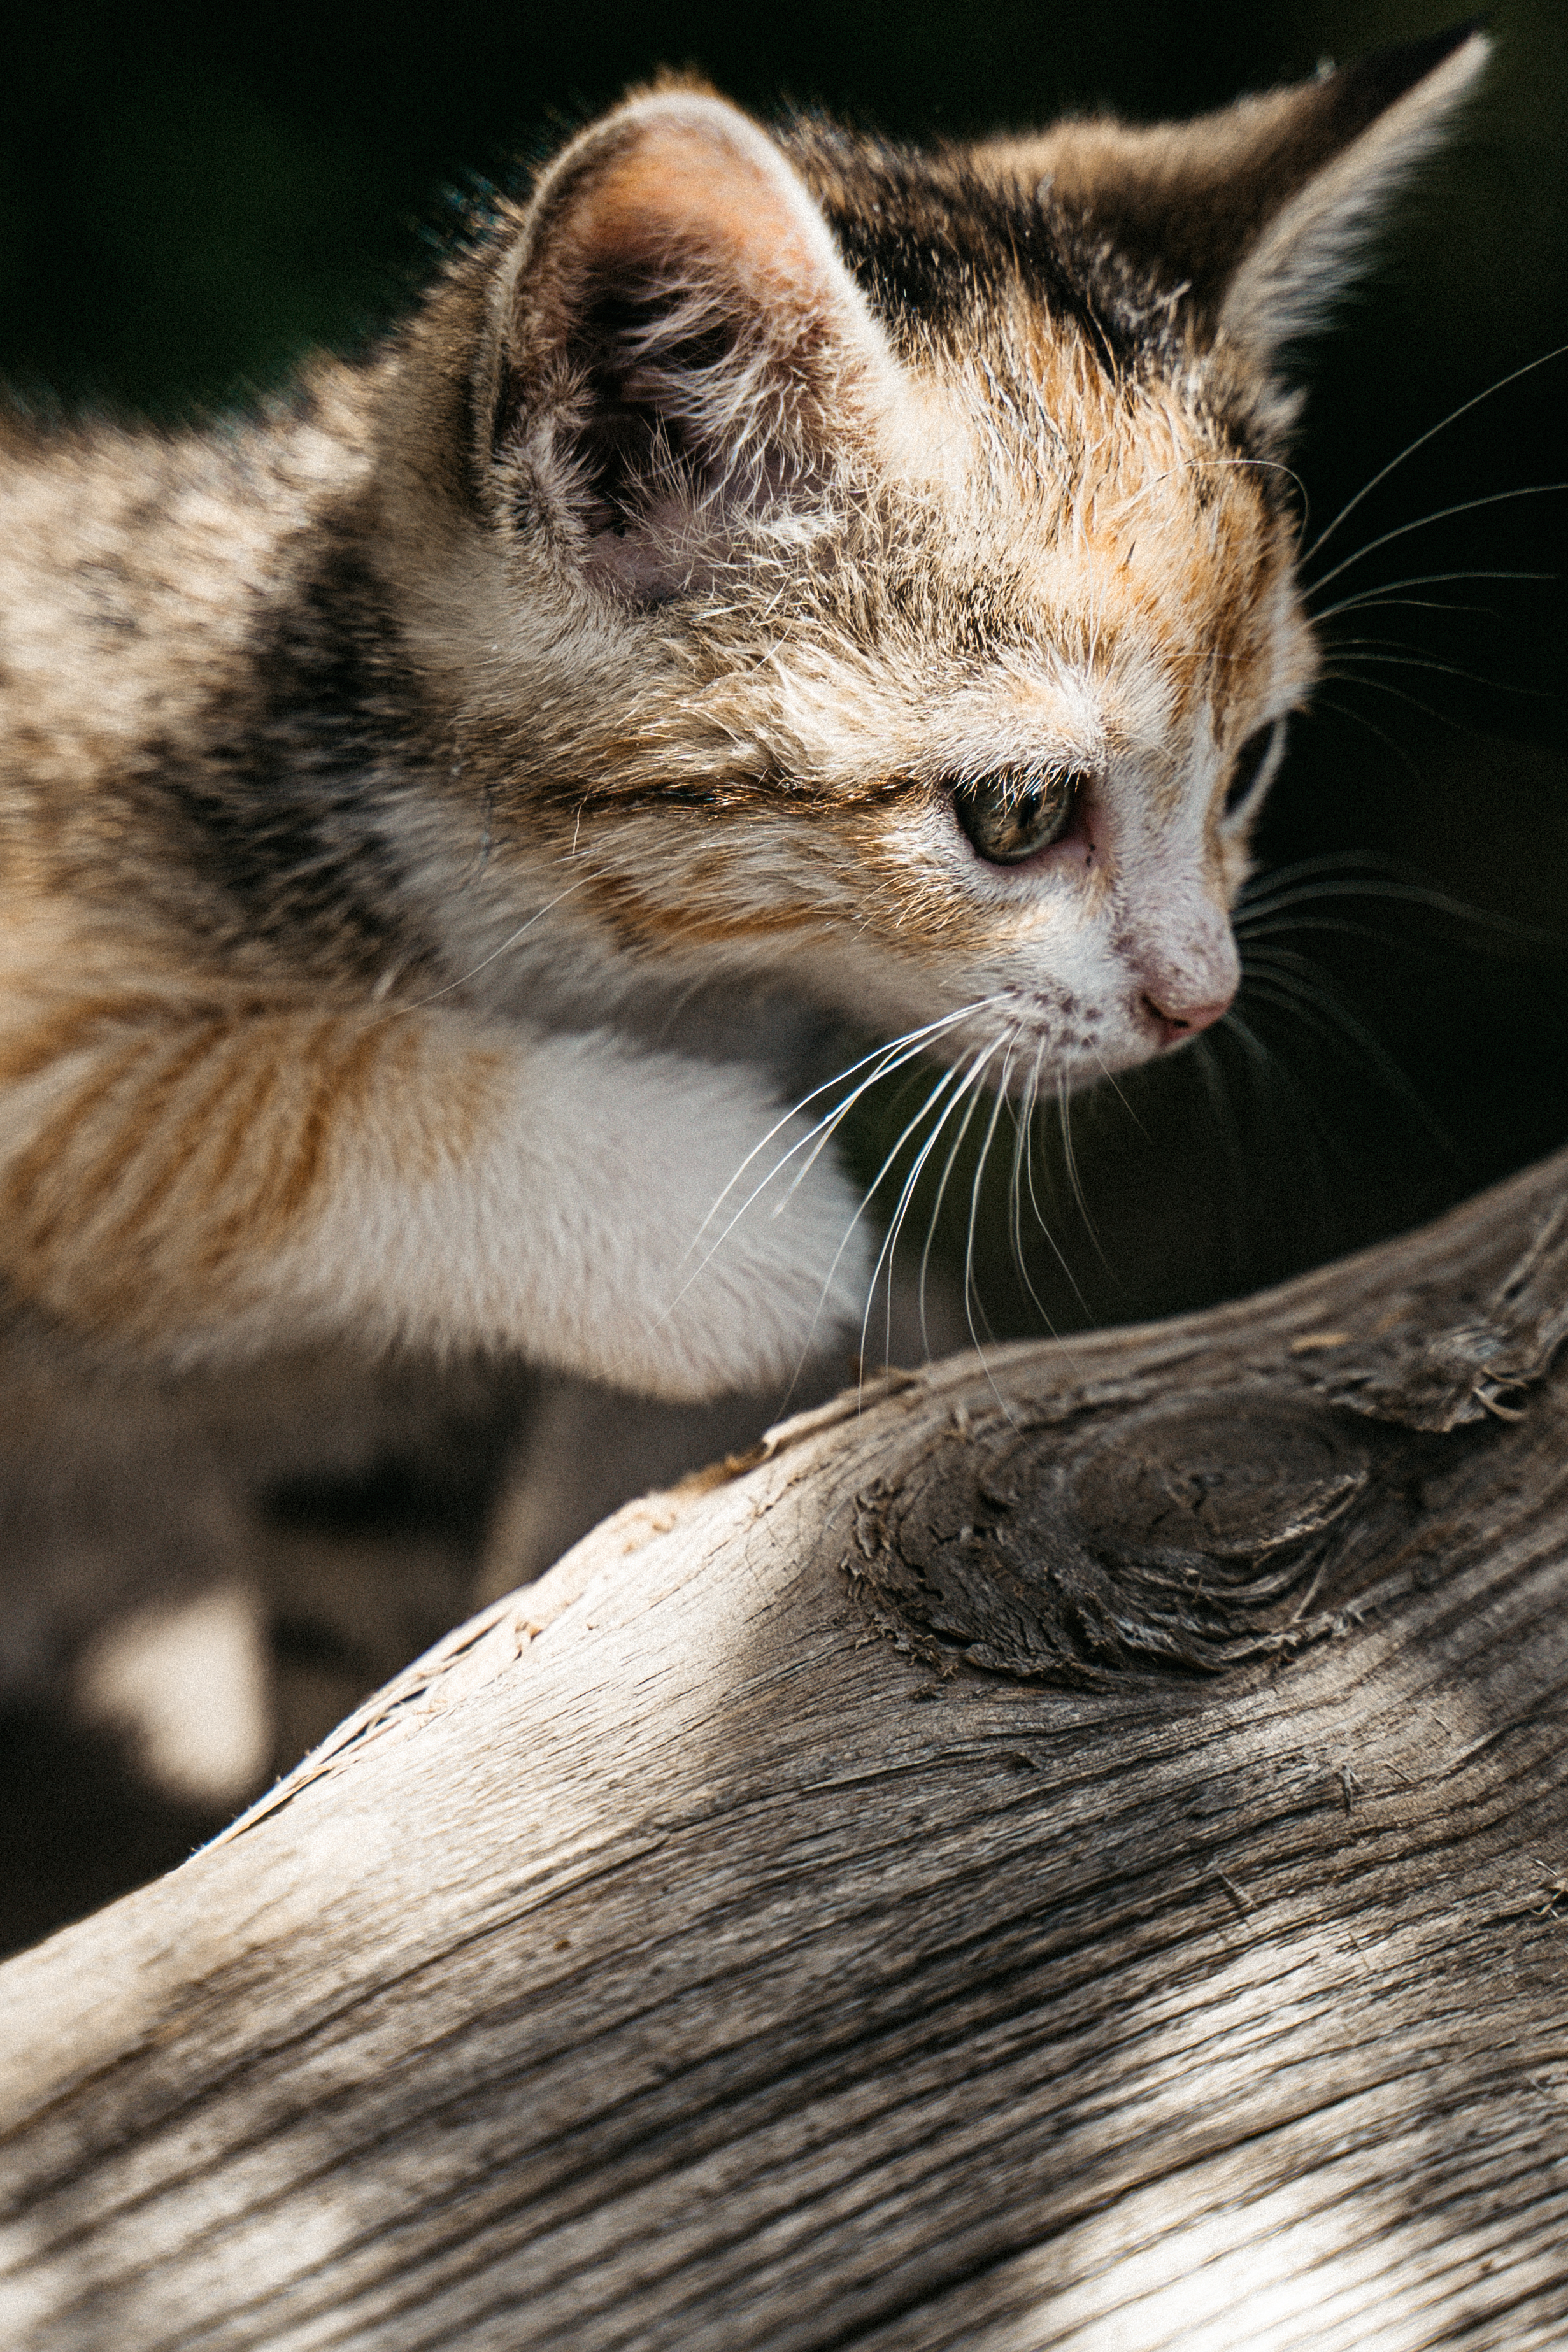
1071,1852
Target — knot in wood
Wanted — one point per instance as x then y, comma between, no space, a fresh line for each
1185,1535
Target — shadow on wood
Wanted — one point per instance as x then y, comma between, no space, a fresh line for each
1072,1854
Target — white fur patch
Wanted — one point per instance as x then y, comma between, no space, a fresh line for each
642,1218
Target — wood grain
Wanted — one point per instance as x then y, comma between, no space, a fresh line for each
700,1949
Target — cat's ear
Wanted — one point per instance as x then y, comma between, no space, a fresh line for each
1257,217
680,354
1351,140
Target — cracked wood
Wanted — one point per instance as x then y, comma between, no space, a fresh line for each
711,1948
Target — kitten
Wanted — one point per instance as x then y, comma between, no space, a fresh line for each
773,581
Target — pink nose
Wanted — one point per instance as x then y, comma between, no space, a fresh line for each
1177,1021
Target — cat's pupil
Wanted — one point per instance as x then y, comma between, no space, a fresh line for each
1249,765
1008,818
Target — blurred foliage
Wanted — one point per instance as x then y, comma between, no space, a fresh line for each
190,198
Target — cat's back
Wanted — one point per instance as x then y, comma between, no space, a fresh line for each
137,568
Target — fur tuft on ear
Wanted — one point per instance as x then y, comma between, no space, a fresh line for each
1396,106
679,349
1255,219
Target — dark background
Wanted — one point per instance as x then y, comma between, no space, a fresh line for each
189,198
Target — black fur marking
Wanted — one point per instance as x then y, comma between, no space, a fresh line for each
320,726
933,243
935,246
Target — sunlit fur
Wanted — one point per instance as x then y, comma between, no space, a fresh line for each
447,817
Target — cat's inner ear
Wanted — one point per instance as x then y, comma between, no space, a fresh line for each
1256,218
682,356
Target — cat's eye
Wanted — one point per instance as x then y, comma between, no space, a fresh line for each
1008,818
1251,762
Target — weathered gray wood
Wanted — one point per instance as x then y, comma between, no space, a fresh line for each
695,1951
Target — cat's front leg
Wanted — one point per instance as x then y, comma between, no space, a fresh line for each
242,1178
648,1219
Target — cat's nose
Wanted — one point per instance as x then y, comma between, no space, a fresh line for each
1188,972
1175,1021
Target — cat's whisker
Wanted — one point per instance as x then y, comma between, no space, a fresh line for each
1251,915
983,1054
1301,1109
1023,1122
1202,1058
1410,605
972,1299
887,1253
1271,465
1272,1073
1361,871
1021,1116
1205,461
1343,645
1293,929
1385,590
1272,1097
955,1080
1431,433
1069,1160
1358,653
968,1096
1251,910
820,1136
998,1100
1287,965
1040,1218
1300,986
882,1058
1023,1172
1382,686
1359,718
1108,1077
1514,939
973,1190
1255,1052
1276,991
485,961
1354,863
884,1258
1424,522
906,1201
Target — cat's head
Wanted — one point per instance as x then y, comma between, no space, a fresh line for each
876,570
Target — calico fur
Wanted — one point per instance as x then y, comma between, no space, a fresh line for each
450,817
